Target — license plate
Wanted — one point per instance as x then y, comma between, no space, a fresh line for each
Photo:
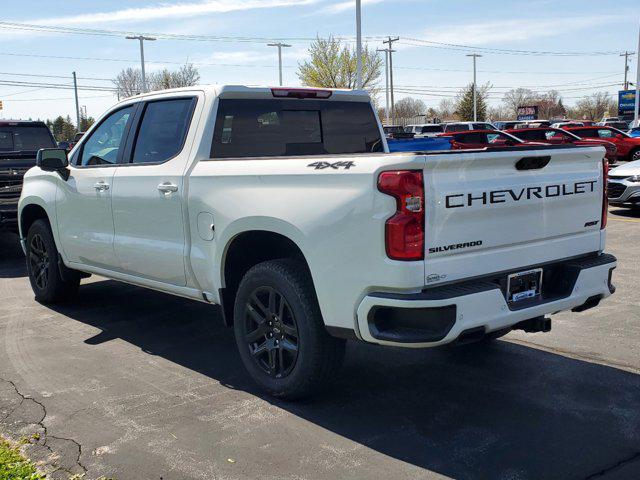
524,285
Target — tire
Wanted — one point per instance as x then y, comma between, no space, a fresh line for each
280,333
634,155
43,269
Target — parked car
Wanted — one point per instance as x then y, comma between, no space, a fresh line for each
557,136
522,124
19,142
504,125
634,132
476,139
567,124
624,185
284,207
425,129
620,125
396,131
628,147
467,126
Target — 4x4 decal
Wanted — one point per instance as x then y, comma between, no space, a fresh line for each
335,165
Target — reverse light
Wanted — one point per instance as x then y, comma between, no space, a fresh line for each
404,231
605,201
300,93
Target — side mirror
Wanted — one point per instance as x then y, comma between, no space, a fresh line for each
53,160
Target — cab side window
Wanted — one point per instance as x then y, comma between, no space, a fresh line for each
105,142
163,130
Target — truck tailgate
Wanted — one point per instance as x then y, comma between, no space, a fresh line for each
494,211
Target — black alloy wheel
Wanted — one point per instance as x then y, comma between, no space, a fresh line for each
272,332
39,261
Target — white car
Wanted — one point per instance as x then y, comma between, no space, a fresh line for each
425,130
567,124
284,206
624,185
465,126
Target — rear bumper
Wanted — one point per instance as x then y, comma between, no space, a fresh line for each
439,315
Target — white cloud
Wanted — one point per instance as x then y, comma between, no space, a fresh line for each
503,32
164,10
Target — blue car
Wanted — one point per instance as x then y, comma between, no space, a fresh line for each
634,132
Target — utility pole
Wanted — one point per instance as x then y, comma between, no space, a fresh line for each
280,47
626,56
475,88
391,50
141,39
386,81
75,89
358,45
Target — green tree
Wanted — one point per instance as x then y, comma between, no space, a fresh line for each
464,102
333,65
63,128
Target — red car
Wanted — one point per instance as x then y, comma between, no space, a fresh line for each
475,139
628,147
557,136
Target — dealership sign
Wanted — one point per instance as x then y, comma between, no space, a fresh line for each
626,102
528,112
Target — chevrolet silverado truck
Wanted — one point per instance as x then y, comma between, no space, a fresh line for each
284,207
20,141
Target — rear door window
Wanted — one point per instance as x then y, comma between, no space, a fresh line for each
431,129
605,133
265,128
163,130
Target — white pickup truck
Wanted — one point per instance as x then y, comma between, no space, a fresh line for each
284,207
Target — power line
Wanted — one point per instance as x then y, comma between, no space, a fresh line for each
502,51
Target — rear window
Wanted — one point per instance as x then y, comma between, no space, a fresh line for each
24,138
456,127
482,126
266,128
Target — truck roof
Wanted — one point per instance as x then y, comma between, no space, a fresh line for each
242,91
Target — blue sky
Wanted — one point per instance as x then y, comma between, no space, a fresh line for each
541,25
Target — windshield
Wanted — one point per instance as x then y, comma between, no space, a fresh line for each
431,129
15,138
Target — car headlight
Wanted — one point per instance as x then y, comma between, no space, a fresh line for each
634,178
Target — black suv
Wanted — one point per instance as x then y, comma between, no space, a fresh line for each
19,144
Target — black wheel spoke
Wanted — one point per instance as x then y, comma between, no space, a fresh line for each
257,334
255,316
290,330
272,361
39,261
289,346
260,349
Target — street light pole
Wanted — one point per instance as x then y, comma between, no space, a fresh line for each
141,39
386,81
280,47
358,44
475,94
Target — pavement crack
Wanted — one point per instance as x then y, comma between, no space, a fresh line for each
45,441
621,463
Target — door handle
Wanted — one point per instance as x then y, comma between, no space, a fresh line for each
167,188
101,186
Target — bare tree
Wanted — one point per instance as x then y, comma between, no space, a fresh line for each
407,108
129,81
518,97
593,107
446,109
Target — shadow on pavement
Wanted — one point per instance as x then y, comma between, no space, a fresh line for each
496,411
12,261
626,212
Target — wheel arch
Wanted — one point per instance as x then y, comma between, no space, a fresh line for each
246,249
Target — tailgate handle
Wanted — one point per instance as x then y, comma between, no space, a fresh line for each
533,163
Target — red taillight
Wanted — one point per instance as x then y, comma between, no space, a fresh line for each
404,231
300,93
605,200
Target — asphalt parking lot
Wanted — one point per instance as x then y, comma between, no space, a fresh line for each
133,384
